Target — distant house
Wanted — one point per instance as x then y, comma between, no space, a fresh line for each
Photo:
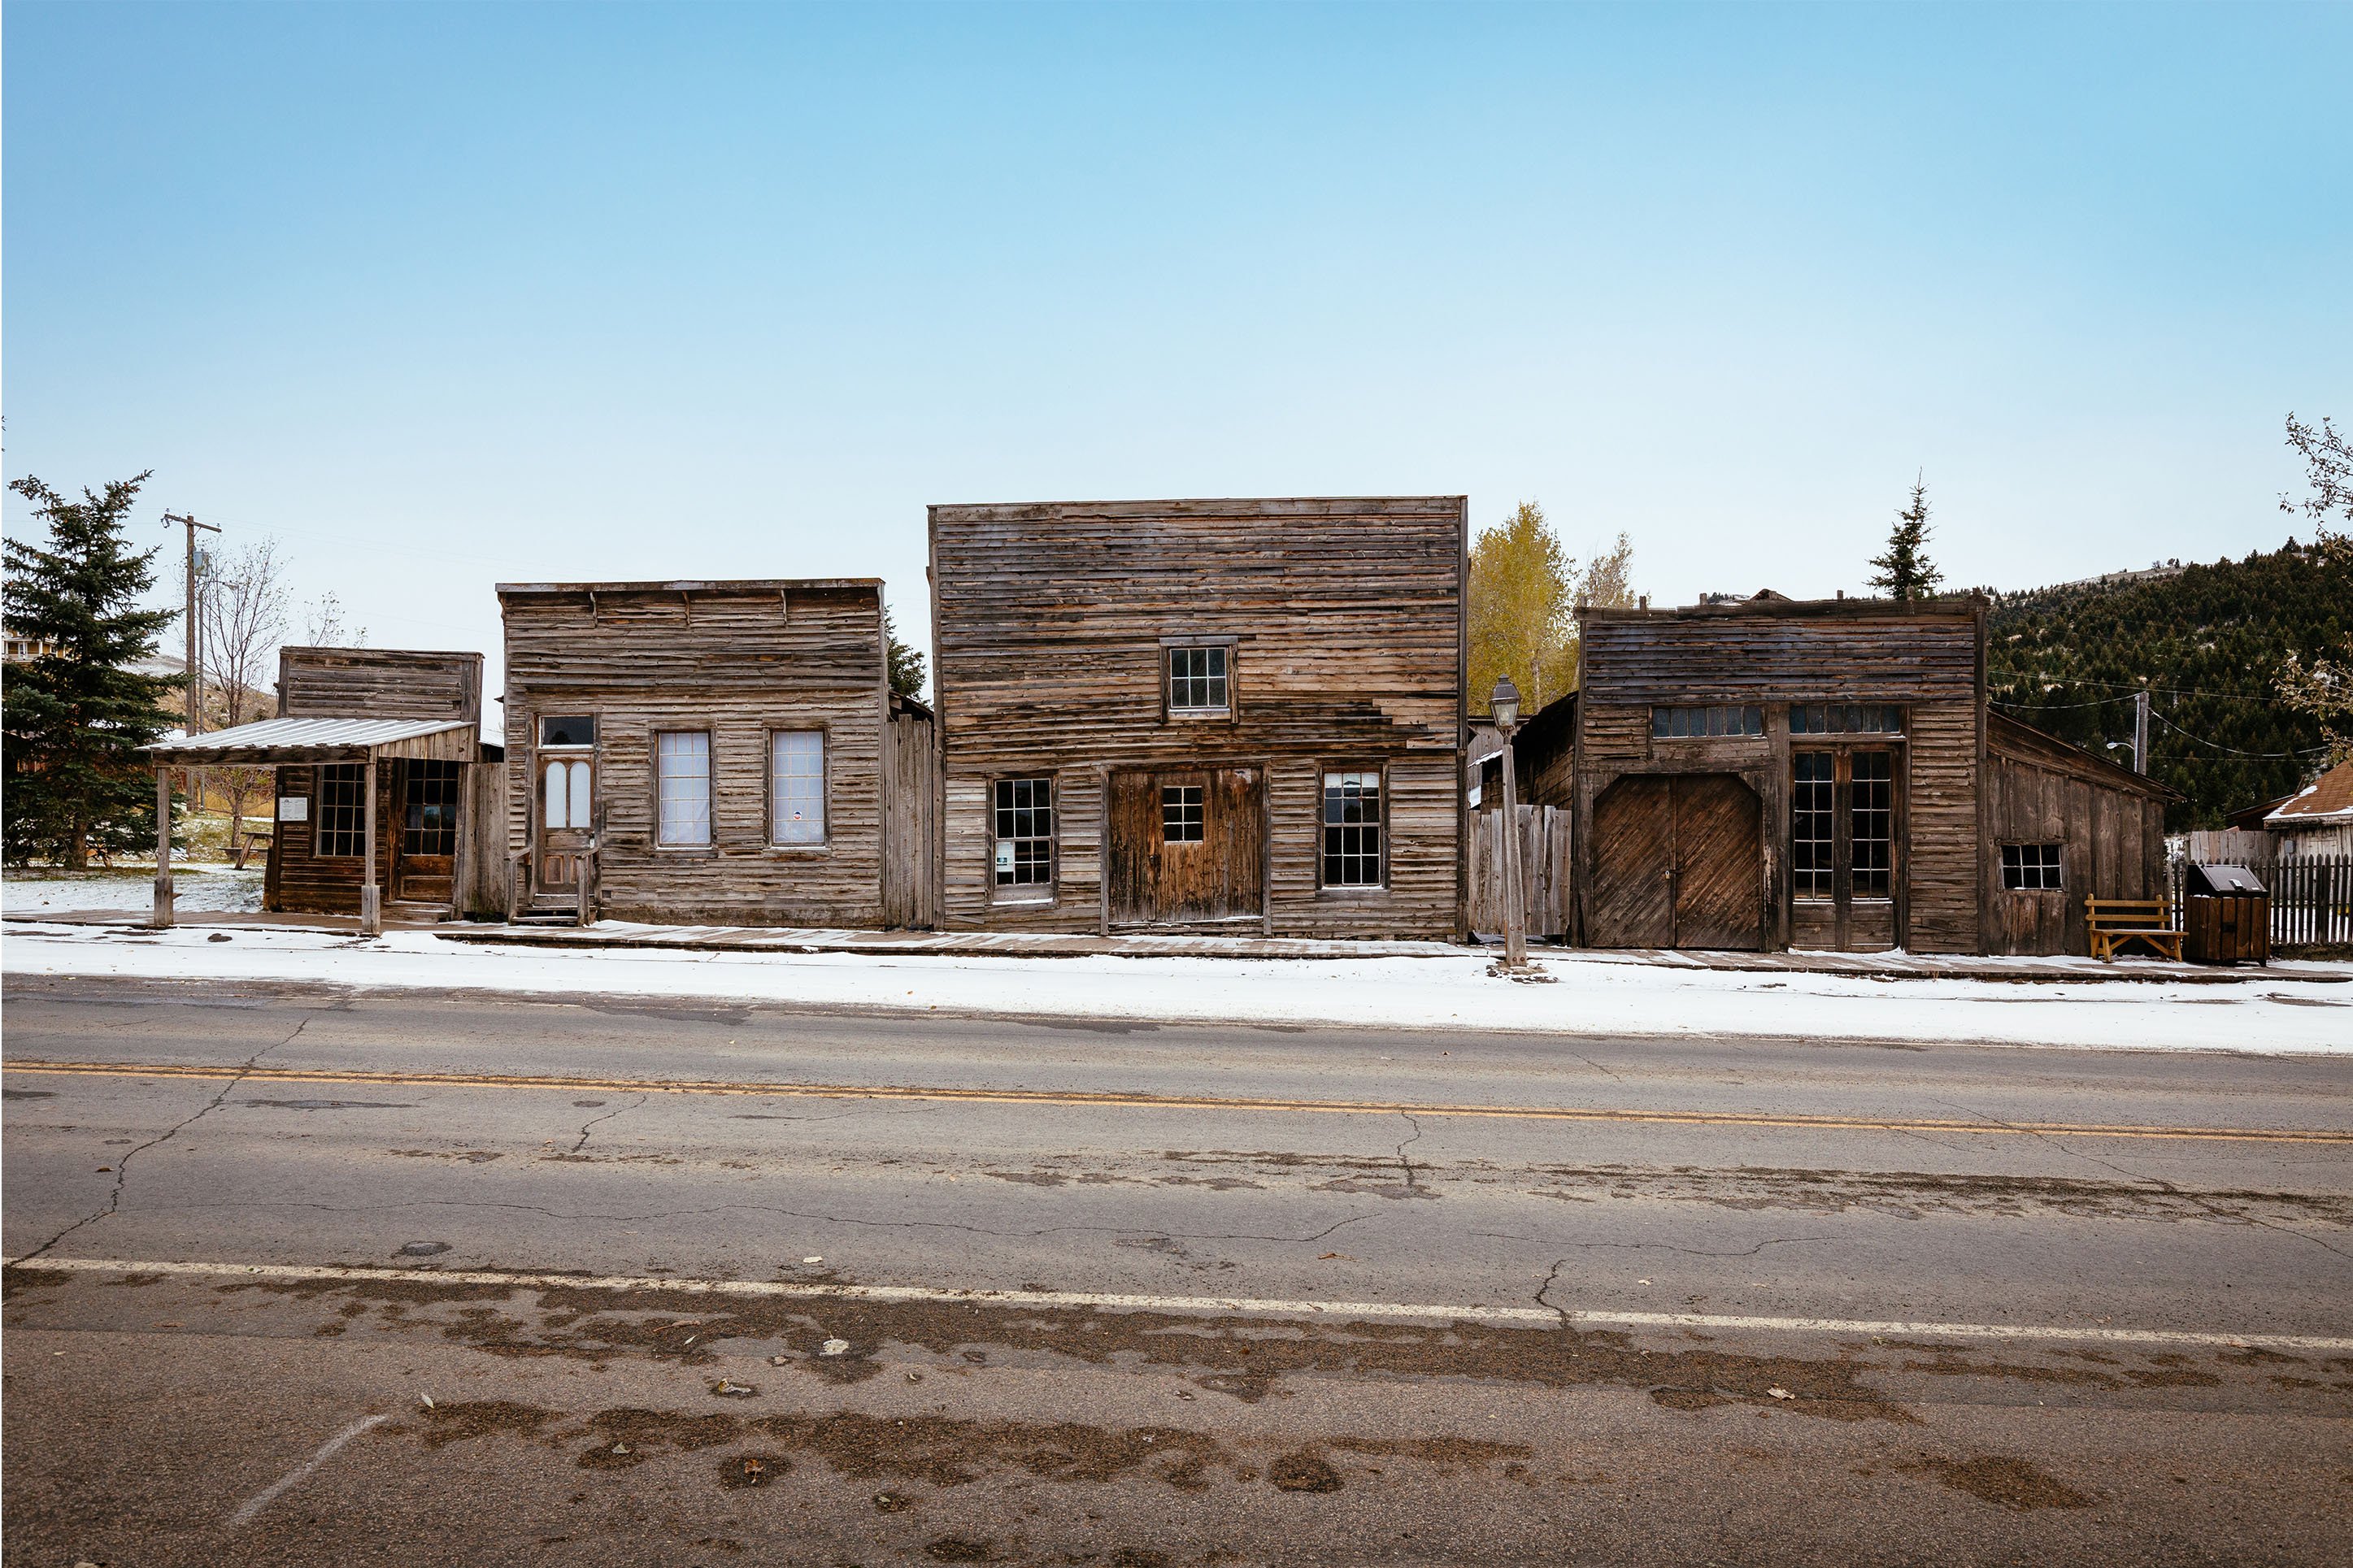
2316,819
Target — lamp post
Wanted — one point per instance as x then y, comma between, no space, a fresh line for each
1504,703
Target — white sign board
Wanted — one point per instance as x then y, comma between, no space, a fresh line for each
1004,855
293,808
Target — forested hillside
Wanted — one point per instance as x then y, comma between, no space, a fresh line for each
2207,643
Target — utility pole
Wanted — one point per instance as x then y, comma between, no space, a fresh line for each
195,710
2140,730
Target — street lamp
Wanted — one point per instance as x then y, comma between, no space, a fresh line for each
1504,703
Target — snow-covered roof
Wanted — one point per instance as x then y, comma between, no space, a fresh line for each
322,740
2327,802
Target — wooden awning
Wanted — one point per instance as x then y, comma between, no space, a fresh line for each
283,741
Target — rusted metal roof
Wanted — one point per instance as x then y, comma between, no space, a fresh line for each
2327,799
322,740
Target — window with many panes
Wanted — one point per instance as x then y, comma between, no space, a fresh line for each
1352,830
682,785
797,787
1813,825
1845,719
1871,825
343,810
1025,832
1180,814
1197,681
1678,722
2030,868
432,824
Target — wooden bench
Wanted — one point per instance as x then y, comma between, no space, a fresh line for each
2115,923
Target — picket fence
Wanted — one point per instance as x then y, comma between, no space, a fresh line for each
1543,866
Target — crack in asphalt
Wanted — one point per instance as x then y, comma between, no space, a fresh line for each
2158,1184
608,1116
1403,1158
1552,1278
1658,1246
123,1165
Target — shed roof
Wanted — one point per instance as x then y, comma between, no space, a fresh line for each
322,740
2325,802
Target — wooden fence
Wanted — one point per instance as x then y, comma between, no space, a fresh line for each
1543,866
2311,896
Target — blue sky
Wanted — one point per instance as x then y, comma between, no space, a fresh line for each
442,295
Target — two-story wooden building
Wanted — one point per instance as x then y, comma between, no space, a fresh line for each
1211,715
1769,774
727,752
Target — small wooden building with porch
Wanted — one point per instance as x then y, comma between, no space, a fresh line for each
1203,715
383,784
1771,774
714,752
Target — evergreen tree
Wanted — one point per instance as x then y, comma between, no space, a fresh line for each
906,662
1906,571
76,714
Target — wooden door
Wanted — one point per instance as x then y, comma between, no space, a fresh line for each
1719,858
1187,846
564,809
1844,838
425,807
1632,903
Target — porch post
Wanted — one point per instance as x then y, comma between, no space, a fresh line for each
371,904
163,920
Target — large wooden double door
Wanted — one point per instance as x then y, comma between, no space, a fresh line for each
1678,861
1187,846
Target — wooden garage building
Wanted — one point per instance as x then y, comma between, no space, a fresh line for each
721,753
1770,773
1202,715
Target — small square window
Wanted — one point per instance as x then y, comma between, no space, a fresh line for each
1197,681
2030,868
1180,814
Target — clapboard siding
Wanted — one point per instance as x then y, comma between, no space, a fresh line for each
298,878
378,683
1345,623
737,660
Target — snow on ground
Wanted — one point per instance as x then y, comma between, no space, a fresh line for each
2267,1015
195,891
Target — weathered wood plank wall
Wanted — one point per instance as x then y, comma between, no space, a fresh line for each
1545,871
378,683
2110,824
737,660
911,888
1345,621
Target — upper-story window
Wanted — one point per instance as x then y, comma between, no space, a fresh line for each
1845,719
1198,681
1719,719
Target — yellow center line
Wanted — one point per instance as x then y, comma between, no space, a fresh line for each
1128,1102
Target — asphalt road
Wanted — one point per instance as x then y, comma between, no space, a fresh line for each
1549,1299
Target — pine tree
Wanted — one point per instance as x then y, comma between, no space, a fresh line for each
77,715
906,662
1906,571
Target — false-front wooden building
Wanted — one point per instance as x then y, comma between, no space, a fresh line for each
1769,774
724,752
1214,715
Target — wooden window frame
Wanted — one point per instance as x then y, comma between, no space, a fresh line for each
1325,889
2058,868
1749,715
1171,714
358,828
414,772
1014,895
710,845
824,734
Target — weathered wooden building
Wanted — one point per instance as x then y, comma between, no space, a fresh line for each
724,752
1767,773
1216,715
378,757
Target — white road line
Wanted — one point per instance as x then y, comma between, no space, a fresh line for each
269,1493
1246,1305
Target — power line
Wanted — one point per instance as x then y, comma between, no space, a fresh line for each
2260,756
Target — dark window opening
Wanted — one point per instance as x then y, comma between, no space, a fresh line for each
1025,832
432,824
1720,720
1871,825
1352,830
1812,826
343,810
1180,814
1845,719
580,730
2030,868
1196,679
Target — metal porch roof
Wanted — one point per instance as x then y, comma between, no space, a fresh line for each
322,740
